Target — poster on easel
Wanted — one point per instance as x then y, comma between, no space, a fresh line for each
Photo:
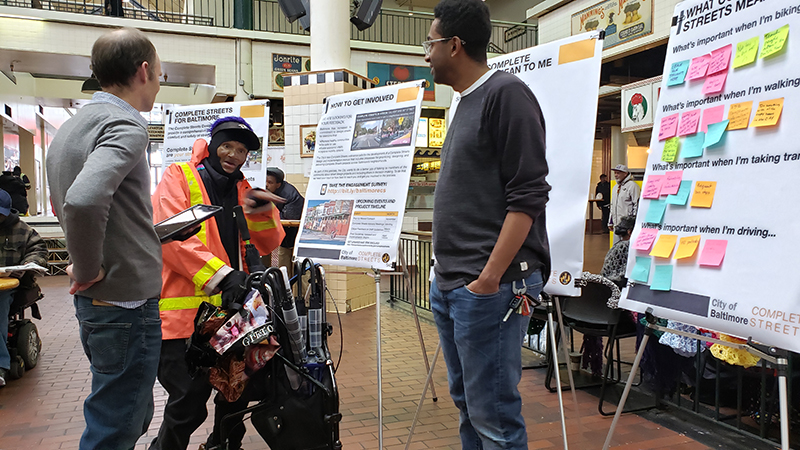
565,77
356,195
186,124
716,243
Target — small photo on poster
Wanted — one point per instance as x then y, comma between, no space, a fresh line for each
327,222
383,129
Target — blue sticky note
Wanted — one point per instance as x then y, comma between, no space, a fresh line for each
662,278
683,194
677,73
692,146
641,271
715,133
655,214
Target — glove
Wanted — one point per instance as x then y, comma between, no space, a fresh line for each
233,289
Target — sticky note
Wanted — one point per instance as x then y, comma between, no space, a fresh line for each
768,113
720,59
689,122
683,194
664,246
714,83
687,246
774,40
746,52
662,278
703,194
670,151
652,189
711,115
739,115
641,270
655,213
713,252
698,67
715,133
645,239
677,73
669,126
671,183
693,145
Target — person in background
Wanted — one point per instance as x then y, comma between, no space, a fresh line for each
625,200
603,192
25,180
16,188
100,186
488,237
22,246
205,267
291,210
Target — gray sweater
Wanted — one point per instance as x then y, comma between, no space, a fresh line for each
493,162
100,188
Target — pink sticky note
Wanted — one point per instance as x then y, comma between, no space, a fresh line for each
645,239
711,115
714,83
713,252
689,121
671,183
720,59
669,126
652,189
698,67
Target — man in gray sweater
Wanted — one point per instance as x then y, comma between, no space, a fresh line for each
489,233
100,188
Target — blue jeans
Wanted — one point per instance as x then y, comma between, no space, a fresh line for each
123,346
6,297
484,362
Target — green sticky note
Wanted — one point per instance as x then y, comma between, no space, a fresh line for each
774,41
670,152
746,52
641,271
662,278
693,145
655,214
715,133
683,194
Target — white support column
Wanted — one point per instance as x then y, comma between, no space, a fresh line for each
244,69
619,147
330,34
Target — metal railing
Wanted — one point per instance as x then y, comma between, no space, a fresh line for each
418,253
392,26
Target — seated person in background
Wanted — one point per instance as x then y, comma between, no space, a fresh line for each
291,210
15,187
617,258
22,245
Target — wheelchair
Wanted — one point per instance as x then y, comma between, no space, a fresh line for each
24,343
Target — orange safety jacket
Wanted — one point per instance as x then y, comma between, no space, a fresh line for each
193,268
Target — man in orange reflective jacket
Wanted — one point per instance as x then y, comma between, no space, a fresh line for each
206,267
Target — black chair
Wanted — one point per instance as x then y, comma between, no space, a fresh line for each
592,314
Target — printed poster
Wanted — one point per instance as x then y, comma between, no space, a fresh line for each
389,74
622,20
287,64
186,124
357,190
717,246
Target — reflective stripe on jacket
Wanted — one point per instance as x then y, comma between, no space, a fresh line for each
193,268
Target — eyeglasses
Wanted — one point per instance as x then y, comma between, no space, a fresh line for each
426,45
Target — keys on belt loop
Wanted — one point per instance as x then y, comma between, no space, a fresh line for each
517,299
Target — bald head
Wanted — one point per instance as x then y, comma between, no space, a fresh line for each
118,55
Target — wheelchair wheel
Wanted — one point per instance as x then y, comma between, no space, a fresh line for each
29,345
17,369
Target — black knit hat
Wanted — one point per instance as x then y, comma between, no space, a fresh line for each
234,129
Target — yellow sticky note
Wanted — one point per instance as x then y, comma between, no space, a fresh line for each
739,115
576,51
746,52
768,113
664,246
251,111
670,151
687,246
407,94
703,195
773,41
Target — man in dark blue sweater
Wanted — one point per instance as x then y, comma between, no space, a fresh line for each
291,210
489,231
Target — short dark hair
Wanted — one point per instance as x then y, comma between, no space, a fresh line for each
275,172
602,175
117,55
625,225
469,20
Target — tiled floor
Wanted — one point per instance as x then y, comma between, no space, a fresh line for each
43,409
